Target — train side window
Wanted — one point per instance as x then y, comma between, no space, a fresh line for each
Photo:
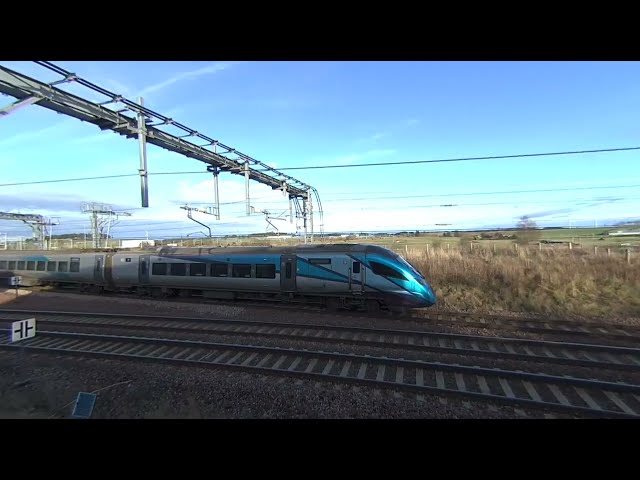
179,269
198,269
266,271
21,265
287,270
159,269
51,266
386,271
3,264
31,265
63,266
320,261
356,267
219,270
74,266
12,265
242,270
40,266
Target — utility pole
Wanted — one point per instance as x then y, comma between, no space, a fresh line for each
38,225
98,212
216,171
142,140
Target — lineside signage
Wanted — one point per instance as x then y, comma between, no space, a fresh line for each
23,329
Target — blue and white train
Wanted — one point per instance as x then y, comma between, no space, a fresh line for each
350,275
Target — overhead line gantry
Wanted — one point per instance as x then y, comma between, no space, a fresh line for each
144,124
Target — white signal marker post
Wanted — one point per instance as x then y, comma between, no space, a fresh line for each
23,329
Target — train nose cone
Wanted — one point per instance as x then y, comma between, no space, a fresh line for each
424,292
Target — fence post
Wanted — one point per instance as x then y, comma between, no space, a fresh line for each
595,251
629,256
406,249
448,247
427,249
608,252
570,246
494,248
539,246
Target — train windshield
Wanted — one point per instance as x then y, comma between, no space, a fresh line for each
411,268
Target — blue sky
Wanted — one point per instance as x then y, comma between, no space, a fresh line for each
291,114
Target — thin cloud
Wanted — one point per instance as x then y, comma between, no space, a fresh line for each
548,213
29,135
412,121
43,202
378,136
356,157
193,74
120,88
98,137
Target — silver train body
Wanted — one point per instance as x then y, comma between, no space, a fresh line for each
340,275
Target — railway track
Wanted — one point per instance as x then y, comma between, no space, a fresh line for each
515,388
485,321
547,352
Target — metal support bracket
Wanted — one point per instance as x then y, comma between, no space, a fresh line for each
13,107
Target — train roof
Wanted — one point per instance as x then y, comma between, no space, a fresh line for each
289,250
284,250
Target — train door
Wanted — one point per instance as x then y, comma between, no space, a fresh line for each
356,277
144,269
98,270
288,266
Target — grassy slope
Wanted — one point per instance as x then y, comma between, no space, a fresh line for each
548,282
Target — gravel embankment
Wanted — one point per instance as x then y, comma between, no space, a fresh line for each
381,351
181,392
160,390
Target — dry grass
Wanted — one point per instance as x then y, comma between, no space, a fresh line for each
547,282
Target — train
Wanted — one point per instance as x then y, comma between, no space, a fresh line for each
351,276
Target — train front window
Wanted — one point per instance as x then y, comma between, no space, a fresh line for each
386,271
411,268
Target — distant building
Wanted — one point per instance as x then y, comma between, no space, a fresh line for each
136,243
621,233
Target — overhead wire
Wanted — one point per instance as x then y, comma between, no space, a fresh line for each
463,159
